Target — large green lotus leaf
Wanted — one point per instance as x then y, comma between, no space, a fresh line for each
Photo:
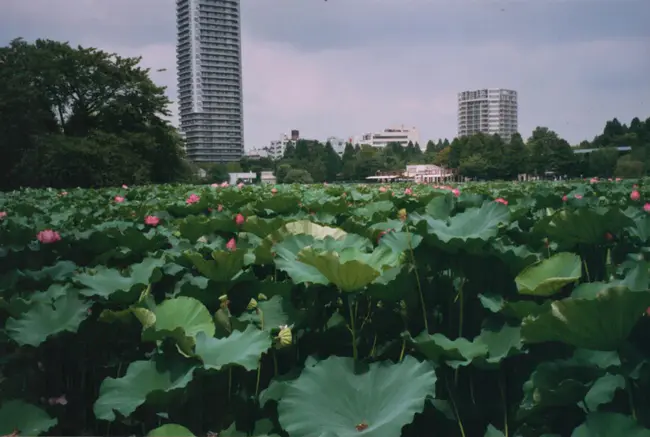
606,424
223,266
458,352
583,225
272,313
329,399
501,344
58,272
549,276
111,284
374,211
238,349
517,310
194,227
440,207
603,391
262,227
350,269
516,257
317,231
601,323
281,203
45,319
170,430
180,318
27,419
142,380
468,230
561,383
287,260
400,241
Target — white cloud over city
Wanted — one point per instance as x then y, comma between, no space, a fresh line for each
344,67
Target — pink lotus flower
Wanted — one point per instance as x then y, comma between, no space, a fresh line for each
274,191
565,198
119,199
224,184
501,200
3,214
646,207
635,195
578,196
48,236
192,199
408,191
214,185
125,186
608,236
325,184
239,220
151,220
63,193
594,180
618,179
240,185
231,245
456,192
382,189
382,233
220,208
344,195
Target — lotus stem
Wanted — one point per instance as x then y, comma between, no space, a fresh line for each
461,321
259,368
401,354
417,279
229,383
505,405
355,353
275,363
630,395
456,412
584,263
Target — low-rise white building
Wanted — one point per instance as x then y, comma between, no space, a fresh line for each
267,177
397,134
276,148
246,177
258,153
427,173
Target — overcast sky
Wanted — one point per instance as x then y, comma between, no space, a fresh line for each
344,67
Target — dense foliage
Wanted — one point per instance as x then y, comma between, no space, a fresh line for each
479,156
484,310
82,117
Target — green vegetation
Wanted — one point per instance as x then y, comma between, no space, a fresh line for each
494,310
82,117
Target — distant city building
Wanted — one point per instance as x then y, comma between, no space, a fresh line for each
208,56
245,177
277,147
338,144
489,111
427,173
258,153
398,134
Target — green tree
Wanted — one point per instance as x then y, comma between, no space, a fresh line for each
603,162
628,167
515,155
56,100
298,176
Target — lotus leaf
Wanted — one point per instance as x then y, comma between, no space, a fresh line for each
549,276
330,399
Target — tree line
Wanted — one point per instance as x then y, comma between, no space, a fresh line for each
479,156
75,116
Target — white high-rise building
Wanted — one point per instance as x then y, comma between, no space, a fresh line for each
338,144
208,56
489,111
397,134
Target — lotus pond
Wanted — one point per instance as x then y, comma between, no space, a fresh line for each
496,310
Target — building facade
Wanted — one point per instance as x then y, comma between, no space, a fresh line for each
208,56
489,111
397,134
338,144
427,173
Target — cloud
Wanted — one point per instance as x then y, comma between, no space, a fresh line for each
347,67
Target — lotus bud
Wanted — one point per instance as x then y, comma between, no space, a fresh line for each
402,214
284,338
203,239
261,296
224,301
251,305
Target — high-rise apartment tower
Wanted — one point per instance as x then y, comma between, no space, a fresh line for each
489,111
208,56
